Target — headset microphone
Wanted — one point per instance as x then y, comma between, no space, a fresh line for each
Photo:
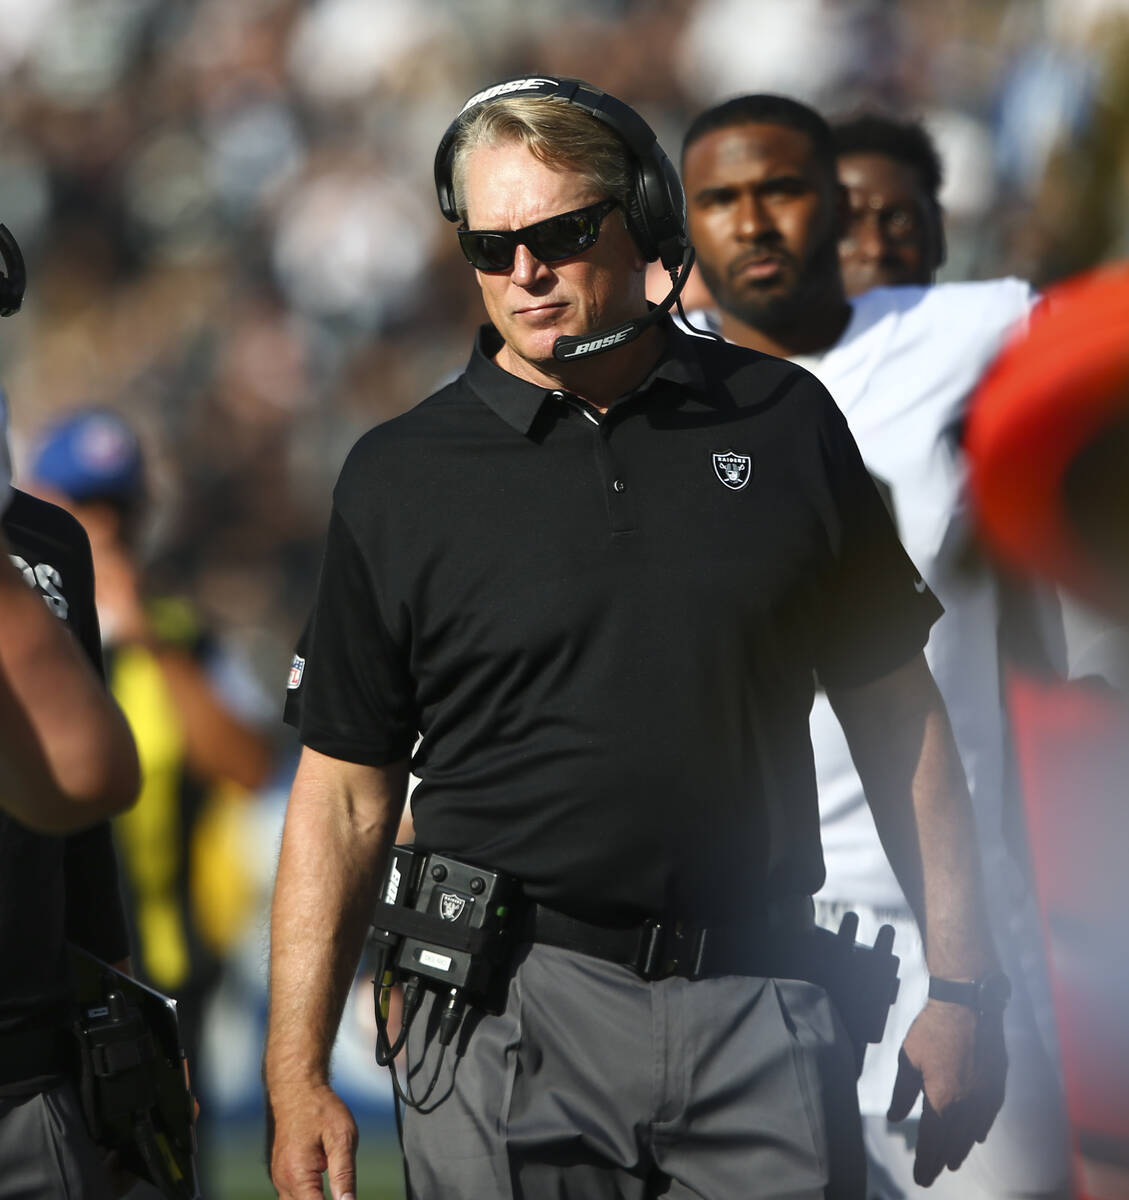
566,349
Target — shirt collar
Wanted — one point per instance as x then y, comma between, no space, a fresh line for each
518,401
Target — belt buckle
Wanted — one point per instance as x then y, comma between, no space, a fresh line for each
671,948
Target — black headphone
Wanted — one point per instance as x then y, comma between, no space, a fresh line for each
13,282
656,205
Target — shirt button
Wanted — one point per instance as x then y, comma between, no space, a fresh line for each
618,486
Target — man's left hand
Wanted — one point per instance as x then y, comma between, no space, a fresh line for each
957,1059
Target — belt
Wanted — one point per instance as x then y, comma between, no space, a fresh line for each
774,942
29,1053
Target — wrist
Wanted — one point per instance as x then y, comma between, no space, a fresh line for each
986,995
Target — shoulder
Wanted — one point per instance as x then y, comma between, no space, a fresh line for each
983,307
35,526
738,368
385,452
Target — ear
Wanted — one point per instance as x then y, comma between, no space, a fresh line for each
939,235
842,211
640,262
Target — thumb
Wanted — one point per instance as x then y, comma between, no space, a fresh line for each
341,1173
341,1167
906,1087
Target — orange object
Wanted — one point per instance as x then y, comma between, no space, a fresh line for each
1046,441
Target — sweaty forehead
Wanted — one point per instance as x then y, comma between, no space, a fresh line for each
874,178
758,148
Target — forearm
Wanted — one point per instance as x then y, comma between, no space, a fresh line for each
935,855
219,745
68,756
903,747
334,845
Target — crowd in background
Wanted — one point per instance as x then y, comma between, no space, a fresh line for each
232,237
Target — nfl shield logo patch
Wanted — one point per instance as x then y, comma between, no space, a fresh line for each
733,469
297,667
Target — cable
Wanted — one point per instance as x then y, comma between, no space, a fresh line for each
682,312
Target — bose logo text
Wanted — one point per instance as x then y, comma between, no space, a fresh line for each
503,89
603,343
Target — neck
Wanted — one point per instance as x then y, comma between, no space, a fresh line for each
600,379
817,328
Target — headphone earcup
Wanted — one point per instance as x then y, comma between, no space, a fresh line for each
638,224
662,209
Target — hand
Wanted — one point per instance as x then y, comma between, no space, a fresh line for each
311,1132
958,1060
117,589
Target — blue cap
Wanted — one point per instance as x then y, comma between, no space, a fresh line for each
91,455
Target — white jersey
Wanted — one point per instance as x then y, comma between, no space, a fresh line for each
902,373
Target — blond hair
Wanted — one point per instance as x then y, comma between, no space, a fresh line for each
555,132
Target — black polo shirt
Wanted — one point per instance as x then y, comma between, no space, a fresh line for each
606,629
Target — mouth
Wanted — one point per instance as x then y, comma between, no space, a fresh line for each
758,269
539,314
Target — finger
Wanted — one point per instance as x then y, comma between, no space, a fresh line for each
930,1157
959,1137
983,1114
907,1084
298,1180
341,1170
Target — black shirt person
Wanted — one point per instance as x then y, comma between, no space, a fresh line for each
53,889
600,588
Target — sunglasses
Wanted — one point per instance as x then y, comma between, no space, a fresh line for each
549,241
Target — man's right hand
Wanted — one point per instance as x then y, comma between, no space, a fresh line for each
311,1132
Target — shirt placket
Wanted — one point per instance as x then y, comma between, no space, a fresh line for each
611,474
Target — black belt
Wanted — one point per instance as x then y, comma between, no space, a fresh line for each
777,943
29,1053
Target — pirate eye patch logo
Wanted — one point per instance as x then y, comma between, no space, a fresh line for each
733,469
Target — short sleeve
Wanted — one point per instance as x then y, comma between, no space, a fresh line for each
877,608
349,693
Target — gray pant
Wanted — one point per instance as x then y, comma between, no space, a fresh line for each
45,1150
596,1085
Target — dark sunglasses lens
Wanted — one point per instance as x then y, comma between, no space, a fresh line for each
551,240
486,251
563,236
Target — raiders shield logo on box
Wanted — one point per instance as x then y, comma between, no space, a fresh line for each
733,469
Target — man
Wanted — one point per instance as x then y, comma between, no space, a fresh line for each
600,584
894,231
67,761
765,215
201,756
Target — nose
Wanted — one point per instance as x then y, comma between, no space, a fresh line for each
527,267
866,237
753,219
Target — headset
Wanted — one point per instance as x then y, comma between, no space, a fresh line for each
14,280
655,208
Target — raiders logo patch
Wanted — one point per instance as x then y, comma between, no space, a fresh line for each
733,469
